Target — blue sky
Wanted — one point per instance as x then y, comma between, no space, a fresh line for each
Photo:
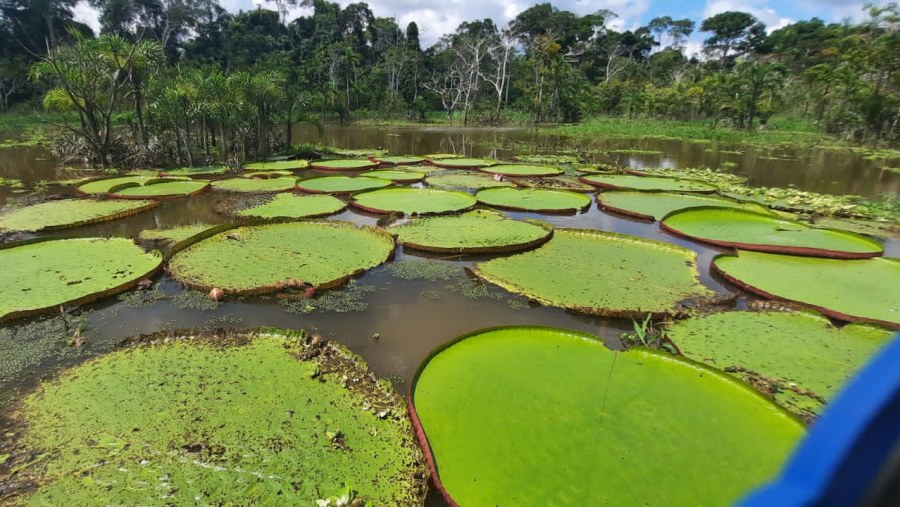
436,17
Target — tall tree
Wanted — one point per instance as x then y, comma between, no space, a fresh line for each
734,34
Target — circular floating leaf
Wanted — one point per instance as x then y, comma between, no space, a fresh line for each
541,416
268,258
193,172
340,184
555,183
600,273
398,176
279,165
472,232
802,354
656,205
413,201
255,185
462,163
160,189
344,165
288,205
647,183
399,160
766,233
52,215
46,274
523,170
460,179
547,159
359,152
864,290
103,186
266,174
534,199
217,421
441,156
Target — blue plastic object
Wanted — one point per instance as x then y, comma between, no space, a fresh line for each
848,447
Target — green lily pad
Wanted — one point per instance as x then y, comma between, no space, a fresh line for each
555,183
255,185
542,416
656,205
395,175
646,183
399,160
174,234
600,273
48,274
522,170
441,156
547,159
795,352
279,165
854,290
357,152
103,186
413,201
266,174
763,232
268,258
344,165
52,215
160,189
462,163
216,420
207,170
534,199
288,205
340,184
473,232
461,179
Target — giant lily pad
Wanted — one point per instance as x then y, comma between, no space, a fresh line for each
254,185
233,419
103,186
863,290
534,199
461,179
279,165
52,215
288,205
43,275
340,184
159,189
194,172
413,201
646,183
399,160
522,170
541,416
267,258
656,205
462,163
555,183
400,176
472,232
797,354
547,159
763,232
601,273
344,164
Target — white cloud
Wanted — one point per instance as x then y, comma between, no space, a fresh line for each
88,15
759,8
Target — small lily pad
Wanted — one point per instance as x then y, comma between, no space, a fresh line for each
534,199
413,201
340,184
472,232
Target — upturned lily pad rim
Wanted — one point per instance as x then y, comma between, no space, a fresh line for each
586,179
549,211
399,160
323,165
113,192
453,163
148,205
834,314
422,437
498,169
778,249
379,211
301,187
483,249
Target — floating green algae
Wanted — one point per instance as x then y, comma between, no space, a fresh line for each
288,205
863,289
472,232
522,170
24,347
46,274
399,160
565,420
268,258
601,273
242,419
344,164
534,199
464,180
423,270
656,205
69,213
764,232
255,185
174,234
351,298
280,165
646,183
341,184
462,163
160,189
194,300
555,183
400,176
413,201
207,170
795,352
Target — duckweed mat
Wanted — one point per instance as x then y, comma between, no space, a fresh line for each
464,180
255,185
344,165
279,165
601,273
399,160
270,258
799,358
62,214
534,199
646,183
749,230
289,205
251,419
462,163
542,416
47,274
472,232
413,201
656,205
854,290
522,170
340,184
160,189
399,176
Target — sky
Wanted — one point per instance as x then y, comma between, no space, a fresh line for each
437,17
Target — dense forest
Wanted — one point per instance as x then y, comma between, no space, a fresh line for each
180,80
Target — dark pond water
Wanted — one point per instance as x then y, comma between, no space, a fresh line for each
411,317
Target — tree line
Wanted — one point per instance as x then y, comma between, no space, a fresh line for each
185,80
